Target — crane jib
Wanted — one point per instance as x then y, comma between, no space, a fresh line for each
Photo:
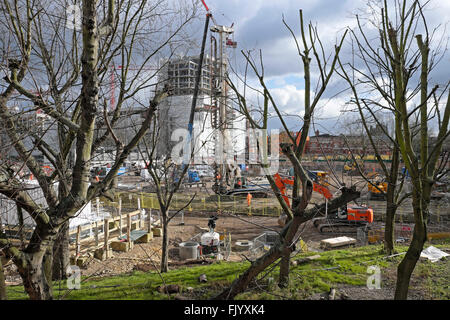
206,7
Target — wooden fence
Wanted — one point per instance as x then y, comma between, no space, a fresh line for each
100,232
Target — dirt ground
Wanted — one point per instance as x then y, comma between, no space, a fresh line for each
240,227
146,257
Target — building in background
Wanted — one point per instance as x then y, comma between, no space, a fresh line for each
174,112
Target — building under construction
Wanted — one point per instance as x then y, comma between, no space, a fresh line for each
180,74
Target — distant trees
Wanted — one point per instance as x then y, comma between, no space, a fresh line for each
70,57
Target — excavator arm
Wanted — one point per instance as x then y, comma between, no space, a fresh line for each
354,216
282,182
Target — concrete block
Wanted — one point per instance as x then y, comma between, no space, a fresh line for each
100,254
121,246
337,242
145,238
81,261
157,232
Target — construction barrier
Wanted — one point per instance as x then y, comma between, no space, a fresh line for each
439,213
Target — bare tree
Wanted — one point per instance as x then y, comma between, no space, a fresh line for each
394,195
168,176
393,71
299,213
77,68
2,283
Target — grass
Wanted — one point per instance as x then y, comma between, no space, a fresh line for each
337,267
140,285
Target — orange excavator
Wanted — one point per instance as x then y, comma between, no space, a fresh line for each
343,220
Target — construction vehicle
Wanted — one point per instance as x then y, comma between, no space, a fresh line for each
317,176
343,220
99,173
228,179
210,241
193,176
236,185
351,168
377,187
282,182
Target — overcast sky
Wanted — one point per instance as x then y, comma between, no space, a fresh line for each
258,25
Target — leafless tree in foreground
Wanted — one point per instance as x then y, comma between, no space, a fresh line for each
391,72
42,51
299,212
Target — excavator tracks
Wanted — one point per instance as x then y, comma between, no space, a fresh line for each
336,227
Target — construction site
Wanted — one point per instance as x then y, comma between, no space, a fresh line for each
217,209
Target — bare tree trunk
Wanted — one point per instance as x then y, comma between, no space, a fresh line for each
165,243
391,209
240,284
21,226
421,200
37,273
406,267
283,281
277,251
61,253
391,204
2,284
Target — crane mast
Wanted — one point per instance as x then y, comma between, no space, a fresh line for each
219,106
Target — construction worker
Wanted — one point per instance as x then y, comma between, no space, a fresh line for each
249,199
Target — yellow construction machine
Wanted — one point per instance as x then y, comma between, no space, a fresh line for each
377,187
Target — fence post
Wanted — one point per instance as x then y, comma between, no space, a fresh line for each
129,230
106,237
139,203
120,217
77,249
96,233
139,222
